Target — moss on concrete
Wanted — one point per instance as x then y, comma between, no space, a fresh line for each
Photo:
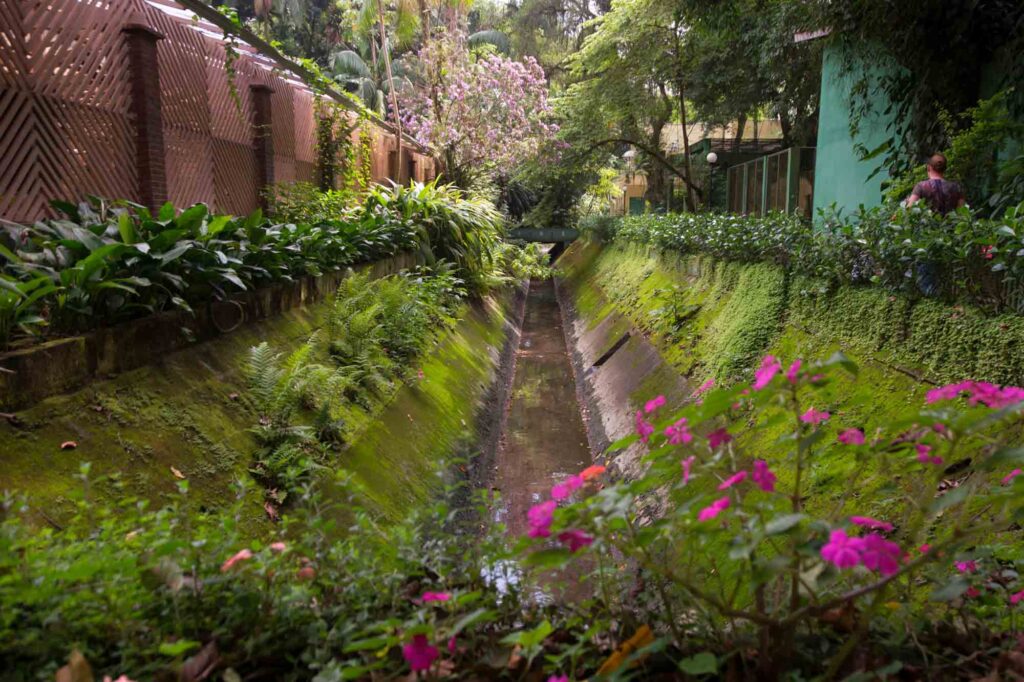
189,412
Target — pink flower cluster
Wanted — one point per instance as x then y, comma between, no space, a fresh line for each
714,509
925,456
542,515
814,417
982,392
764,374
873,551
852,437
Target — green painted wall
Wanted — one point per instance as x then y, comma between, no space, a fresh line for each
841,178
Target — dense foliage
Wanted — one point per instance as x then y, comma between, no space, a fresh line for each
109,262
910,250
371,337
713,560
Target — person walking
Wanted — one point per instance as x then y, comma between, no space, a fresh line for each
941,195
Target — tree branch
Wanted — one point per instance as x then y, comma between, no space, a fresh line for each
654,154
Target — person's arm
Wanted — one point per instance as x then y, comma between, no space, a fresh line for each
911,200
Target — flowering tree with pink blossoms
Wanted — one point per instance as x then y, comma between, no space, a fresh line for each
481,115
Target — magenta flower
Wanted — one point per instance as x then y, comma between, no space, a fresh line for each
948,392
451,645
879,554
763,476
419,653
435,596
644,429
564,489
654,404
575,540
813,416
705,387
678,433
687,464
852,437
967,566
278,547
770,366
1015,598
793,371
558,678
540,517
718,437
939,427
1008,478
871,523
738,477
841,549
714,509
924,456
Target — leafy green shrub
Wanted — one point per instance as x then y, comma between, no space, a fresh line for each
714,561
304,202
112,262
981,260
523,261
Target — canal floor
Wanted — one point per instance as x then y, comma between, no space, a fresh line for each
545,440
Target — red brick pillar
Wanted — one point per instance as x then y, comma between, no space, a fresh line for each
145,110
262,139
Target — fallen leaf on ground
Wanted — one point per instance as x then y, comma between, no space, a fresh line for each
177,473
68,445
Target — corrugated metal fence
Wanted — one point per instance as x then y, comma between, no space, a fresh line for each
133,99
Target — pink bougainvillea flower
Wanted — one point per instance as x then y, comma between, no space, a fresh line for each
714,509
871,523
592,471
451,645
419,653
564,489
687,465
241,555
575,540
841,549
763,476
924,549
879,554
718,437
994,396
705,387
813,416
420,375
1008,478
1017,597
852,437
770,366
970,566
558,678
122,678
738,477
644,428
678,433
794,371
972,592
939,427
435,596
540,517
654,403
278,547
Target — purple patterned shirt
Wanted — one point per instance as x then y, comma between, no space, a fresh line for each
941,195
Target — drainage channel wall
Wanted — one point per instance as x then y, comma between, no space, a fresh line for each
188,413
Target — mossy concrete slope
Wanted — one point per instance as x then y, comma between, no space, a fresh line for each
715,320
188,415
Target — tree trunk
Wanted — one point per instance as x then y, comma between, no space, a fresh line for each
391,85
691,198
741,123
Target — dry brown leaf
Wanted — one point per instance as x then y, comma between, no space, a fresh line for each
177,473
199,666
77,669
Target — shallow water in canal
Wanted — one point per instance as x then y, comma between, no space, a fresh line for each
544,440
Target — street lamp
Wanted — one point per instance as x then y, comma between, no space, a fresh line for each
712,159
